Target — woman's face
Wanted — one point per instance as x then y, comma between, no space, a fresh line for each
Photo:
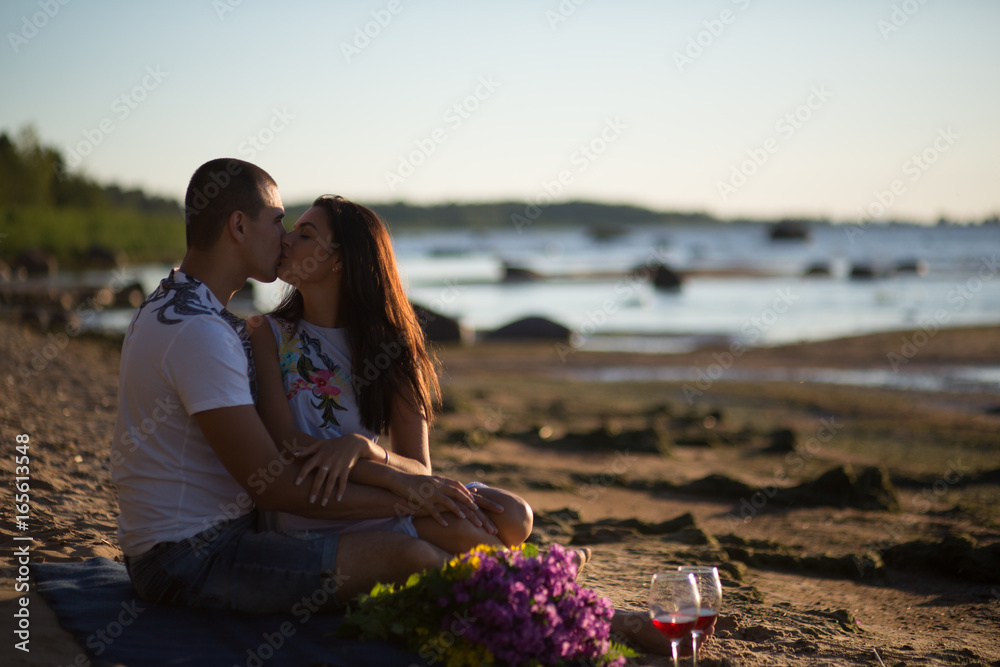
308,252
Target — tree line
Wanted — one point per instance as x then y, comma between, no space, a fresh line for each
32,174
45,205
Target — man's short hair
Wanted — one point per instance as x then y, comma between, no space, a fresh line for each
218,188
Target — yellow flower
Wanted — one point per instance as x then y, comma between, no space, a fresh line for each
466,654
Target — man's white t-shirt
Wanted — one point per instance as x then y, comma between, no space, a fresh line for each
184,353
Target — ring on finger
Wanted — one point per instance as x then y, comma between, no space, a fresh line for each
325,468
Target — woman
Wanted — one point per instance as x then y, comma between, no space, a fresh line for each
344,352
344,357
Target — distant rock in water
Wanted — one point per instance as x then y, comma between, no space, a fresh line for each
862,272
437,327
817,270
519,274
606,232
531,328
661,275
446,251
790,230
914,266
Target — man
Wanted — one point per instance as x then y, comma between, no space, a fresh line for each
193,461
191,458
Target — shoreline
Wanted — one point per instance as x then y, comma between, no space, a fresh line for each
612,491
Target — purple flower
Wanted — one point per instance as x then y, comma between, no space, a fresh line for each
530,608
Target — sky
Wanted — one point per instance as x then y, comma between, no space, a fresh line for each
855,110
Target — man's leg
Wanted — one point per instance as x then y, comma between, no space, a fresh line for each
365,558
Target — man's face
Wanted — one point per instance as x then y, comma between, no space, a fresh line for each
264,238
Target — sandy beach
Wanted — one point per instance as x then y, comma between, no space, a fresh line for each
851,525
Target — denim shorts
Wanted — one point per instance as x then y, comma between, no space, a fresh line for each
236,566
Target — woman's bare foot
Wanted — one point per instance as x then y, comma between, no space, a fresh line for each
638,629
581,557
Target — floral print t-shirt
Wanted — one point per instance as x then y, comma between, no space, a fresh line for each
316,375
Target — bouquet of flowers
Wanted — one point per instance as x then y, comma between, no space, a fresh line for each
492,606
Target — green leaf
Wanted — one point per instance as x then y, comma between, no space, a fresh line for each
305,367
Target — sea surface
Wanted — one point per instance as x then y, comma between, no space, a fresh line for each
740,284
459,275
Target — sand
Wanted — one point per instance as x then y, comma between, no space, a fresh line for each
895,561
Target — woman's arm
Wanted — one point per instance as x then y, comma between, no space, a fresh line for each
411,454
406,470
408,435
272,405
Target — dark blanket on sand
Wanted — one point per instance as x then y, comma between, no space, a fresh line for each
95,602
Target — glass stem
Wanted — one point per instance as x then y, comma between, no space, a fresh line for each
673,650
694,649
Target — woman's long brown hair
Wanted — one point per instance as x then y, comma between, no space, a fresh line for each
388,351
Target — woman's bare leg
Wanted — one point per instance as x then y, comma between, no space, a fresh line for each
457,537
515,521
513,525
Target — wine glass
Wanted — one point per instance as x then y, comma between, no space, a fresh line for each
710,593
673,604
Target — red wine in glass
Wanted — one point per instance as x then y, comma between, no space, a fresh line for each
674,601
705,618
710,593
675,625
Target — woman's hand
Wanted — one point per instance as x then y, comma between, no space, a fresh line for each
332,461
432,494
481,519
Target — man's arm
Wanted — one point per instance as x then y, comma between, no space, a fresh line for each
246,449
